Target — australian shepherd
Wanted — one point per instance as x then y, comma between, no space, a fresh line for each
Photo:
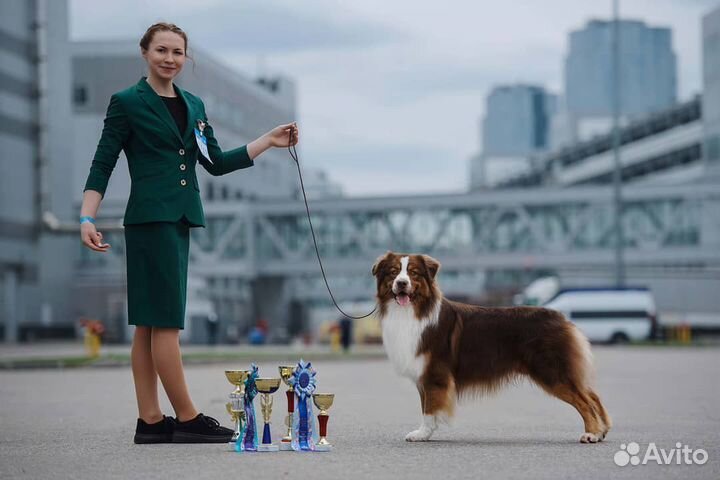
449,349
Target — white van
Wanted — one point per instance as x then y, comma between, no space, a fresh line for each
614,315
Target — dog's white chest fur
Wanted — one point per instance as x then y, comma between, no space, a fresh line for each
401,332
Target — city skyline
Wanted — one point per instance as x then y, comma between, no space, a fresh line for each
387,91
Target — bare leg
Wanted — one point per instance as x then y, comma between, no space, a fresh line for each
145,376
168,363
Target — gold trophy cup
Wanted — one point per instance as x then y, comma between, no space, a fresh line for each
267,386
236,405
323,401
285,373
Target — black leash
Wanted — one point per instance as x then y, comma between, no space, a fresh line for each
294,155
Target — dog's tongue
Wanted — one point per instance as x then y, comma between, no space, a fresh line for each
403,299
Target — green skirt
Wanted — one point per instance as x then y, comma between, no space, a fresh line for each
157,264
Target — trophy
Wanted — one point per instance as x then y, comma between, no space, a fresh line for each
236,406
267,386
323,401
285,373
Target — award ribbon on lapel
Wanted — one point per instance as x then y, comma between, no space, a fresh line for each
201,140
250,436
303,382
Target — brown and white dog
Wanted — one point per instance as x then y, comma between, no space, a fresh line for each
449,349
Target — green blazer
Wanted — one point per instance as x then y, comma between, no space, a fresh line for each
161,159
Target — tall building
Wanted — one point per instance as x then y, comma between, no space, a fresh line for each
711,90
517,119
648,74
515,127
34,140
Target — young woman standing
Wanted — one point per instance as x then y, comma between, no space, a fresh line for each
155,123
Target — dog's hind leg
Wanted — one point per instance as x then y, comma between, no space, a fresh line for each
600,408
583,403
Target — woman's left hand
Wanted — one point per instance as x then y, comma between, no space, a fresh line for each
284,135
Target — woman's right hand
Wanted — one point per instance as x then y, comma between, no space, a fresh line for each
92,239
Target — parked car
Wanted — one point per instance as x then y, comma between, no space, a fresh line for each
613,315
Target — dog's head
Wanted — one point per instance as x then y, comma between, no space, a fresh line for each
408,280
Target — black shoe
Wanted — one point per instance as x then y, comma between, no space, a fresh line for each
201,429
160,432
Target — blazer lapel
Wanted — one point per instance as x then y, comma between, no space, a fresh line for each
154,101
191,119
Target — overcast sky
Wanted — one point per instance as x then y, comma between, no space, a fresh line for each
391,92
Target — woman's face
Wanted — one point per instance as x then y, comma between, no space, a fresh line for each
165,55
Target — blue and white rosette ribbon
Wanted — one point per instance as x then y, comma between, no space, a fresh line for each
248,440
305,434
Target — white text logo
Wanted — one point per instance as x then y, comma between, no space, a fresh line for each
680,455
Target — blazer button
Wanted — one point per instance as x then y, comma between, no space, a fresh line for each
182,152
182,166
183,182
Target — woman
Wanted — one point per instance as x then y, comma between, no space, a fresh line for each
163,130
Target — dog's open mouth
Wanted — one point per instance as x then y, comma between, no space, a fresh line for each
403,298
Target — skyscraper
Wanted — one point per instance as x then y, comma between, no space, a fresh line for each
516,126
648,75
516,120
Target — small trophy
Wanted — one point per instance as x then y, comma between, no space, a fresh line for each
285,373
267,386
323,401
236,406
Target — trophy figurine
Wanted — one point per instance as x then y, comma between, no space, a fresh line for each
236,406
285,373
267,386
323,401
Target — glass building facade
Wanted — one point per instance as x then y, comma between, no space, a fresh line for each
517,120
648,70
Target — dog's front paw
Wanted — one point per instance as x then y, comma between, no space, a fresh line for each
419,435
591,437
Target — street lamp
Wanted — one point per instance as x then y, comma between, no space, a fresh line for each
617,168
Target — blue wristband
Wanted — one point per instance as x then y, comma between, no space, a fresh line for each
87,219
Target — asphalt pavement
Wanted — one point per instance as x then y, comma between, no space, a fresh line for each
79,423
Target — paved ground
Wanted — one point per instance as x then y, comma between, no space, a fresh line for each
79,423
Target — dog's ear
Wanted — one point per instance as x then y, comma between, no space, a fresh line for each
380,260
431,264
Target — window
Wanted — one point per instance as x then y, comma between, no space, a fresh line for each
712,148
80,96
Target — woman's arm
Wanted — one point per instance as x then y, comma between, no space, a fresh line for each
280,136
90,237
114,136
116,131
222,163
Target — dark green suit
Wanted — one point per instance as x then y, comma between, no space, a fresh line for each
164,196
161,159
